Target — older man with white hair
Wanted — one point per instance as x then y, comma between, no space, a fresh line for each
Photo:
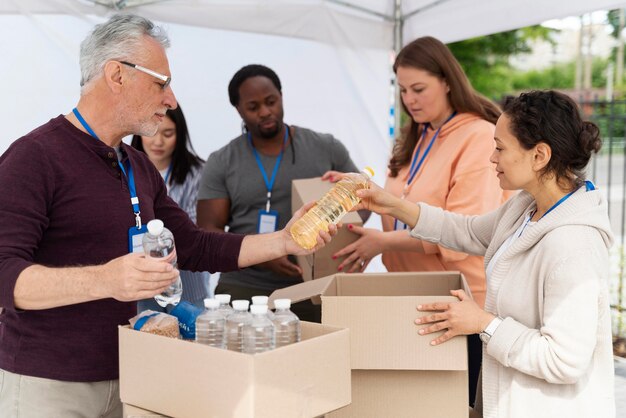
74,207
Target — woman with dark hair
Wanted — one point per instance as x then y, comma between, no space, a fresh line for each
441,158
172,153
546,324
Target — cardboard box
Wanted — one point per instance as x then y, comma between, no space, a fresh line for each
321,263
395,371
131,411
189,380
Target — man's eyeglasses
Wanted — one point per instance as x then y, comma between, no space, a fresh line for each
165,79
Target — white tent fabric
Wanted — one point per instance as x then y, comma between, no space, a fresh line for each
363,23
333,60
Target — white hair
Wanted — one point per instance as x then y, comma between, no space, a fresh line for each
119,38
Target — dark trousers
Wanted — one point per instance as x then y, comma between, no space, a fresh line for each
304,310
474,361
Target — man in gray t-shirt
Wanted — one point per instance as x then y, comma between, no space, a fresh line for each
234,191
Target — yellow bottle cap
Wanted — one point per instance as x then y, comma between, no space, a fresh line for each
369,171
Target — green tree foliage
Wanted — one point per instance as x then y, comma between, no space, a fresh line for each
560,76
612,18
485,59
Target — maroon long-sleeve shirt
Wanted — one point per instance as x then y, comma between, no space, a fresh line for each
64,202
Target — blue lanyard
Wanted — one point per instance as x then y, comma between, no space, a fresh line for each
167,174
269,184
588,186
415,165
130,177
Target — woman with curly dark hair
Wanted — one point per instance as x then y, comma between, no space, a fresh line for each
546,324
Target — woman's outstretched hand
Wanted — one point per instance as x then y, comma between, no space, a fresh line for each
377,200
384,203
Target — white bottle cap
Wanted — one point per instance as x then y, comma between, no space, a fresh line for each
223,298
259,300
282,303
211,303
368,171
155,227
258,309
241,305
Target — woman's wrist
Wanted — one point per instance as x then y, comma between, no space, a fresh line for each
407,212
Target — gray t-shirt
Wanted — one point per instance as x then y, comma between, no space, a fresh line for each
232,172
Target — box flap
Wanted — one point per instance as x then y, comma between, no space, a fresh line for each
304,291
399,284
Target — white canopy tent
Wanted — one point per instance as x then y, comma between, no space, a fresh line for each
333,57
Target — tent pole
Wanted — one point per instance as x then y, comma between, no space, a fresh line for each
398,23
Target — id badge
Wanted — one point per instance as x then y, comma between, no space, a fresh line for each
399,225
135,239
268,221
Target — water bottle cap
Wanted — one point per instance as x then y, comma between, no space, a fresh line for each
211,303
259,300
241,305
368,171
282,303
155,227
258,309
223,298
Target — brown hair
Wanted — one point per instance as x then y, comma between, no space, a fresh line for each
431,55
553,118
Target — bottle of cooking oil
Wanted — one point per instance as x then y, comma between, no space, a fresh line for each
330,208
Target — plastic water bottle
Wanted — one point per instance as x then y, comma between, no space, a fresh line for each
286,323
235,324
262,300
158,242
225,307
258,334
210,325
330,208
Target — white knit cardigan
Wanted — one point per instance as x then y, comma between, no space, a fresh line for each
552,355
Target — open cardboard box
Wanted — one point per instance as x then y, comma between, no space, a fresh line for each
395,371
321,264
189,380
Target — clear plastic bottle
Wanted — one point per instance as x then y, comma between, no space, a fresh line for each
225,307
262,300
330,208
258,334
235,324
158,242
286,323
210,325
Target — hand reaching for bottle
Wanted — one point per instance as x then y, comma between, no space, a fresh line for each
333,176
323,238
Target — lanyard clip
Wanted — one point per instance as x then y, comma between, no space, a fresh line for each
138,220
267,205
405,191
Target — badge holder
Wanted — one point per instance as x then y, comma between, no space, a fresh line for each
135,236
267,222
